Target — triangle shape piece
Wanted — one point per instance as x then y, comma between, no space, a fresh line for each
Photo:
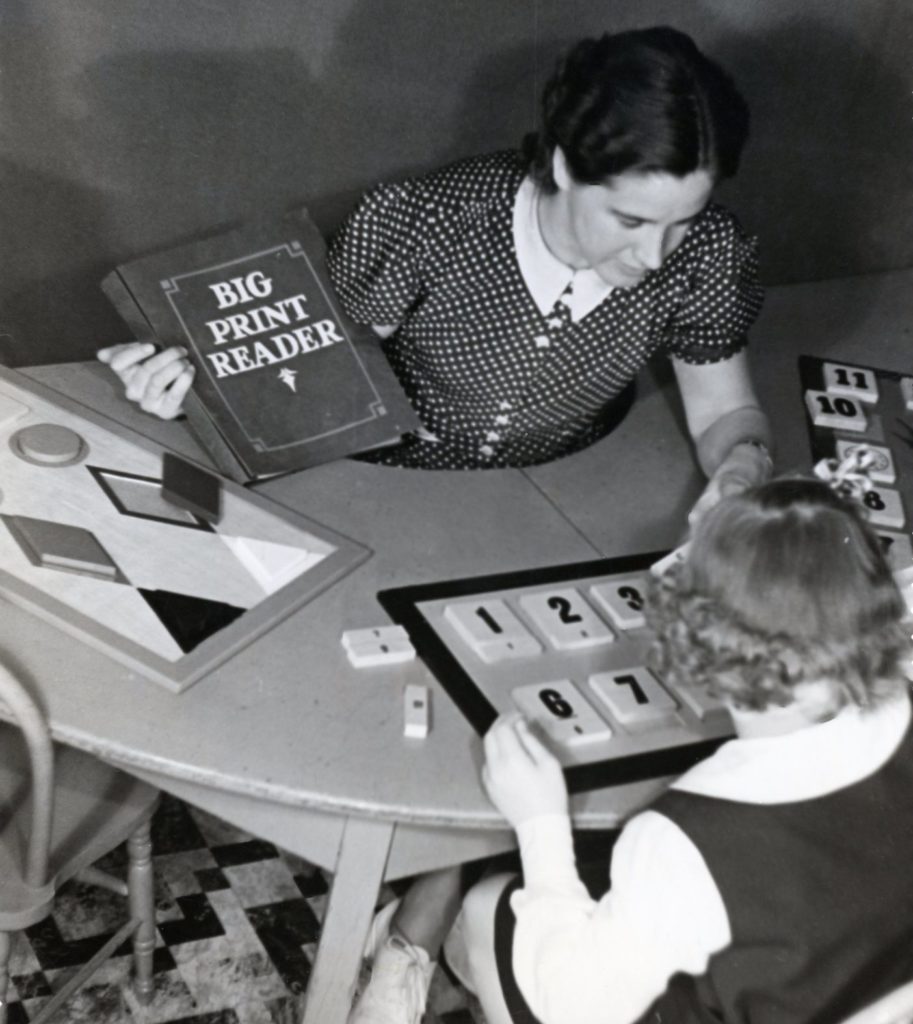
190,620
271,564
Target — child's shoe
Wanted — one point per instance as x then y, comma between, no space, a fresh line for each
398,989
379,930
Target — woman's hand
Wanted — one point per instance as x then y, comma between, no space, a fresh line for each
745,466
157,382
523,779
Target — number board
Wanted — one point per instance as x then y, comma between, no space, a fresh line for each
848,405
567,645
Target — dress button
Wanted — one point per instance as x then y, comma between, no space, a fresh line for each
502,421
492,435
542,341
487,451
504,404
555,323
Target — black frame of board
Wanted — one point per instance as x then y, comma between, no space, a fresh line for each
401,604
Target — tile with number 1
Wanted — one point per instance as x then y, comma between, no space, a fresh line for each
491,630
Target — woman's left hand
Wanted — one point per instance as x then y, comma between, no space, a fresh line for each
745,466
522,777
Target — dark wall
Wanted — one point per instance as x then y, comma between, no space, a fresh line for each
128,125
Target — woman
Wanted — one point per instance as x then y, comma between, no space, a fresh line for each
518,295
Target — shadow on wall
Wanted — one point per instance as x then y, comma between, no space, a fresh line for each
826,178
51,266
143,150
179,145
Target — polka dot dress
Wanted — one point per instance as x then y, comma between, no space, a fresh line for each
493,379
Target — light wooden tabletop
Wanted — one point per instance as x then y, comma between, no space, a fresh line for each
289,720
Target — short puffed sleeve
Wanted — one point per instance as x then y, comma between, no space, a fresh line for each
375,257
722,296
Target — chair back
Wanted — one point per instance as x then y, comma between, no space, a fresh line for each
33,725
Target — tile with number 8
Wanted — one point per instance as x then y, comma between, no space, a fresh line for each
884,507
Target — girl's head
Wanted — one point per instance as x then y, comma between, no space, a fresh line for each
784,584
645,101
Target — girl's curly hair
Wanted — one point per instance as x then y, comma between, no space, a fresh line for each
783,584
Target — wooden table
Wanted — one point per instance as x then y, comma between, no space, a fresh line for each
291,743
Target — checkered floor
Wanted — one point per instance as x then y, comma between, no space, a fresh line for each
238,922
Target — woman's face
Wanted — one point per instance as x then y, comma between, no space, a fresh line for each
627,227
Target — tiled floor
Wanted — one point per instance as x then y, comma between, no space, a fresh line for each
238,921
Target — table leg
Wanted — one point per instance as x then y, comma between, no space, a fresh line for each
357,879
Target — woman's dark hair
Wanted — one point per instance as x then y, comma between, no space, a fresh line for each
646,100
783,584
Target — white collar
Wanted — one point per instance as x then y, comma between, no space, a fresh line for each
804,764
545,275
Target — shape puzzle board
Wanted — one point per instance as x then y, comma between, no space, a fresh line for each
567,645
848,404
88,543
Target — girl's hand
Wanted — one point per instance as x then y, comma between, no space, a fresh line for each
522,777
157,382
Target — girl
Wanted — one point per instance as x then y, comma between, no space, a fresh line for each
772,881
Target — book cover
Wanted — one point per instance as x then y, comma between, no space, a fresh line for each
284,379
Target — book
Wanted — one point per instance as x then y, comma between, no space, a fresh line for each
284,379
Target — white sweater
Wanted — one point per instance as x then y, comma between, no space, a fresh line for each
580,961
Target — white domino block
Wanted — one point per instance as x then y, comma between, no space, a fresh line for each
837,412
562,712
491,630
374,634
565,619
377,646
634,696
906,392
708,710
622,600
377,655
884,507
882,469
852,381
416,711
898,550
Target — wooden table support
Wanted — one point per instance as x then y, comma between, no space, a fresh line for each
359,873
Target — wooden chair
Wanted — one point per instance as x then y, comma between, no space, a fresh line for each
894,1008
60,810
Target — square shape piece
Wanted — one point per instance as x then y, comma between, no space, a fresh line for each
190,487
